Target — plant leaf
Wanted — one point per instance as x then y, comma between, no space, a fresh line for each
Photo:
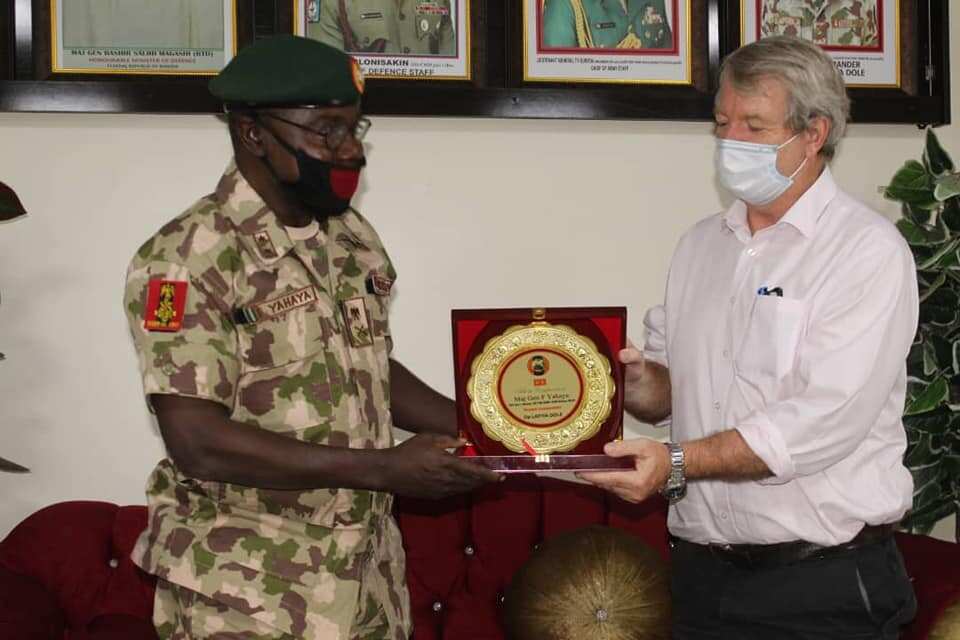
923,518
920,235
929,399
950,216
917,216
930,364
947,250
934,155
928,290
912,184
947,186
933,422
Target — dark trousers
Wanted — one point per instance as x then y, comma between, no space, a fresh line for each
851,594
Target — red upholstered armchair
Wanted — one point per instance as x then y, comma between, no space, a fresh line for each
65,572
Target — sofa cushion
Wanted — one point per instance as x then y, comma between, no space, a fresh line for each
118,626
27,610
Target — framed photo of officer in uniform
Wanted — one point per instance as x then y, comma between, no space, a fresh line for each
173,37
395,39
616,41
862,36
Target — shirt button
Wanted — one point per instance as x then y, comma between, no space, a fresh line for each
751,252
716,405
726,354
114,563
468,550
723,515
437,607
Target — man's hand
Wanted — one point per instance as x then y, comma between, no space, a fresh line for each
646,386
422,468
652,462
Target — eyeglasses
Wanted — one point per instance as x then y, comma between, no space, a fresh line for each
334,134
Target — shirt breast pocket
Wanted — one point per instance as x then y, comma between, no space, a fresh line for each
369,26
771,340
275,341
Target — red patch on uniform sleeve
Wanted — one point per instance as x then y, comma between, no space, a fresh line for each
166,300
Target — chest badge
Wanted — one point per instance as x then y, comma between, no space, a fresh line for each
379,284
265,245
357,321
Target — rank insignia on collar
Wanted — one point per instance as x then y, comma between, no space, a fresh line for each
265,245
379,284
357,321
166,300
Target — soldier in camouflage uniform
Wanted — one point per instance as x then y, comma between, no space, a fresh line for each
260,319
397,27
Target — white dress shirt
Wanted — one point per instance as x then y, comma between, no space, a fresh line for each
814,380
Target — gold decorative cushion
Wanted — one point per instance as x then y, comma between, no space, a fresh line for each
596,583
947,626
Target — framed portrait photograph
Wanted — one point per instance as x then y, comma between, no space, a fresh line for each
172,37
407,40
612,41
862,36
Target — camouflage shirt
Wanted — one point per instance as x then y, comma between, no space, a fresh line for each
292,337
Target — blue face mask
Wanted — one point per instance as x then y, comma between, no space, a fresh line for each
749,170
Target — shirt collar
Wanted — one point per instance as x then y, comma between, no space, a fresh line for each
259,227
803,215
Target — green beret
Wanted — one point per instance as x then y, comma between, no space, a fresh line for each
289,71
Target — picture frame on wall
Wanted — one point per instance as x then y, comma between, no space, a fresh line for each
622,42
142,37
426,40
862,36
492,80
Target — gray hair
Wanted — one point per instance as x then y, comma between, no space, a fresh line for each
814,86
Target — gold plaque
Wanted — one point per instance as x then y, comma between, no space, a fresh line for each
540,388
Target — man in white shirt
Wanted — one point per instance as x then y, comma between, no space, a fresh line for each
779,359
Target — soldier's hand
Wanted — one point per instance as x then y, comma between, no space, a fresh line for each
421,467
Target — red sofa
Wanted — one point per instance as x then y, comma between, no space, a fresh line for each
65,571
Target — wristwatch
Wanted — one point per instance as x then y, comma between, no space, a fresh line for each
676,486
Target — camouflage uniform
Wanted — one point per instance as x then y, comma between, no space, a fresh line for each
609,23
263,334
404,27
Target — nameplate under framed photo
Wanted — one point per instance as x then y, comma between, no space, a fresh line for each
540,389
143,37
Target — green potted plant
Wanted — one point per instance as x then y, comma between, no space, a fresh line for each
929,193
10,208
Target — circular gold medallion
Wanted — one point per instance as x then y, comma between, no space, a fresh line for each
540,387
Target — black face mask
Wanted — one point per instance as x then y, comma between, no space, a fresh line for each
325,188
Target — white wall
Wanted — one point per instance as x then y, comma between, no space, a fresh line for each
467,208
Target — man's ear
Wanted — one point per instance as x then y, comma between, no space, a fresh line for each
250,135
816,135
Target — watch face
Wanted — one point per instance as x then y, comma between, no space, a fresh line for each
675,493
